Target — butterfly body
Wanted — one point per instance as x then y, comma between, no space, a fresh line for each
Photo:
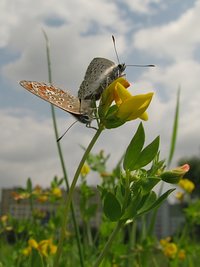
62,99
100,73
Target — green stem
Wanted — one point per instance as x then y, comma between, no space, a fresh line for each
108,244
70,194
77,233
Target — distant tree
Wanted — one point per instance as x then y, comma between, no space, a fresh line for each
194,173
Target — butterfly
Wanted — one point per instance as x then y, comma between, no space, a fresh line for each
83,110
100,73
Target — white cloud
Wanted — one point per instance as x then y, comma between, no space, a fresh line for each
176,40
145,6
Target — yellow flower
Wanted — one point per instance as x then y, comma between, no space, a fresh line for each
37,190
33,243
186,185
179,196
56,191
53,249
131,107
43,247
165,241
4,218
85,170
27,251
42,198
126,108
19,196
46,246
170,250
181,254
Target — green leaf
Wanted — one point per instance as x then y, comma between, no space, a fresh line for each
148,183
150,199
29,185
111,207
175,129
158,202
134,205
134,148
147,154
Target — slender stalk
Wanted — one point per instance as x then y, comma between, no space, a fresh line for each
77,233
108,244
69,197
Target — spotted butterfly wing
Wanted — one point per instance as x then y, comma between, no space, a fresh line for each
100,73
62,99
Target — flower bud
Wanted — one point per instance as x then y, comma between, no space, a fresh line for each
173,176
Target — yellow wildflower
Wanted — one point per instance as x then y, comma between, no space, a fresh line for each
165,241
46,246
131,107
180,196
27,251
170,250
53,249
19,196
37,190
42,198
186,185
43,247
181,254
126,108
57,192
85,170
33,243
4,218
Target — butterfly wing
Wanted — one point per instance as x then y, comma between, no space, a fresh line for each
96,77
54,95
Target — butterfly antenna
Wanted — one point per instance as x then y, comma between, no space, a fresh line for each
113,39
135,65
66,131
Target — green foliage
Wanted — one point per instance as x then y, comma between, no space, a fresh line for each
111,207
136,158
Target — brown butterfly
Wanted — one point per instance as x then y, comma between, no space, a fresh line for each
81,110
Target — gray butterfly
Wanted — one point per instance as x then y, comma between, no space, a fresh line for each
100,73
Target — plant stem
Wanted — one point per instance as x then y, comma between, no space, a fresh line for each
70,195
77,233
108,244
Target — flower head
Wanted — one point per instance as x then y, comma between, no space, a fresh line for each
127,107
187,185
85,170
57,192
173,176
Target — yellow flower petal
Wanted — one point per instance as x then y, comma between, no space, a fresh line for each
134,107
121,94
85,170
56,191
53,249
109,94
33,243
26,251
144,116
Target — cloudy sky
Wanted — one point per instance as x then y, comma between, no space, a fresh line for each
164,33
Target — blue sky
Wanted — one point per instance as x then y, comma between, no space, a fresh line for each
165,33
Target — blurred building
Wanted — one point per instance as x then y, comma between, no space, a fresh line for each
169,216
